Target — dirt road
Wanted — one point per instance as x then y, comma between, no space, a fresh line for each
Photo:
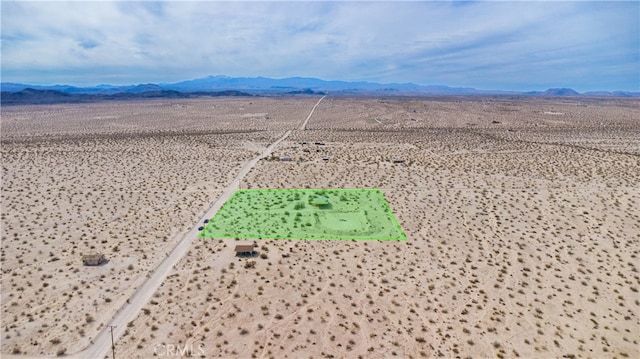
304,124
101,345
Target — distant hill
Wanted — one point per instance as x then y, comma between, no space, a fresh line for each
561,92
571,92
248,86
35,96
555,92
611,93
260,85
306,84
305,92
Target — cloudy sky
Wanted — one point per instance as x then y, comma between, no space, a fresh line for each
510,45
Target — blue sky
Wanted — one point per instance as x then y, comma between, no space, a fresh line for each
509,45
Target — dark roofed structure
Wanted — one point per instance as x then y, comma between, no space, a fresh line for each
245,250
94,259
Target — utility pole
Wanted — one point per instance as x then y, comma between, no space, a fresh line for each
113,345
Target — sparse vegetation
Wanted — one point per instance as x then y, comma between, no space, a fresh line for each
520,234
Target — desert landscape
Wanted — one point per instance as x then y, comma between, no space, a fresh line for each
340,214
522,219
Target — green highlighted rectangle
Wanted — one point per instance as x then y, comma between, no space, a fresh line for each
361,214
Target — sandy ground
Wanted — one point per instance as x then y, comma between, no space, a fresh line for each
521,216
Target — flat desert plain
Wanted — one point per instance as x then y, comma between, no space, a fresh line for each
522,218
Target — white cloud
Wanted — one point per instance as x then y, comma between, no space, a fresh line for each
480,44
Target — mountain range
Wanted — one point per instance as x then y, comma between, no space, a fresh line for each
14,93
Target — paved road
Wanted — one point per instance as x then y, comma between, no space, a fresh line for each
101,345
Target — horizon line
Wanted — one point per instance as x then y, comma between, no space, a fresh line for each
222,76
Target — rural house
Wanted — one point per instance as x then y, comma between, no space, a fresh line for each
245,250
